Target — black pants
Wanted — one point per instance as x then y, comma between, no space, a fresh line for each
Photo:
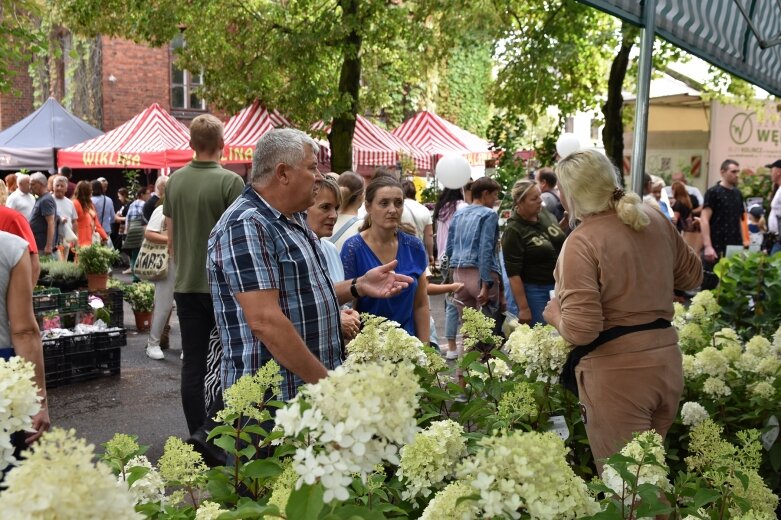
196,320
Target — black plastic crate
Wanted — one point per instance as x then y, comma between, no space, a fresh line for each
117,338
112,299
57,365
108,361
109,339
73,301
45,300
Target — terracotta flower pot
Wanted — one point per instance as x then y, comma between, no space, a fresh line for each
143,320
97,282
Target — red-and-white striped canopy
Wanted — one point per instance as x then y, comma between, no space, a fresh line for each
243,130
429,132
374,146
152,139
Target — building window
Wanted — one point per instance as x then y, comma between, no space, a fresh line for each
595,129
184,83
569,125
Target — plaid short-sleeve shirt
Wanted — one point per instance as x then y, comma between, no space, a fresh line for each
255,247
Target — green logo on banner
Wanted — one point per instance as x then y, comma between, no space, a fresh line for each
741,127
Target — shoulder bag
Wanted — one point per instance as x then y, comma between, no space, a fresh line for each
152,261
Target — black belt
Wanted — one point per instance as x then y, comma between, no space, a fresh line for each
567,377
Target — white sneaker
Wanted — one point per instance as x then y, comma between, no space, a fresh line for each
451,354
154,352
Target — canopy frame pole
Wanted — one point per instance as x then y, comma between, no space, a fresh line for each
643,95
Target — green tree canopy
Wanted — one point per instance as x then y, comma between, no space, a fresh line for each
19,37
311,59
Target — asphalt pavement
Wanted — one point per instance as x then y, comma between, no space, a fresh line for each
144,400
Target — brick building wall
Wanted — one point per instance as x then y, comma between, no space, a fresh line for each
134,77
17,104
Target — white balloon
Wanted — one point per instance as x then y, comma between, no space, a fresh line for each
453,171
568,143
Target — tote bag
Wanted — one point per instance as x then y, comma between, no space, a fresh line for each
152,261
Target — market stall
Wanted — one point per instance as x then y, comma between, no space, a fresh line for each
243,130
152,139
32,143
374,146
437,136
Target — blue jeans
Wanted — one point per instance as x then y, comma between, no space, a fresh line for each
537,295
451,319
512,307
775,249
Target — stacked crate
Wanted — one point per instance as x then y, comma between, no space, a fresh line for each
78,357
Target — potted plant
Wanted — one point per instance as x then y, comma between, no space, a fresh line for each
66,276
141,297
96,261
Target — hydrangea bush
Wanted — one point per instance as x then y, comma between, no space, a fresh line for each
19,402
391,435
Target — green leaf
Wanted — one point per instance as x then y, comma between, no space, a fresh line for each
469,358
262,468
305,503
704,496
352,512
136,473
227,443
250,509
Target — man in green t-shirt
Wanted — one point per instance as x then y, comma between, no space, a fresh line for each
195,198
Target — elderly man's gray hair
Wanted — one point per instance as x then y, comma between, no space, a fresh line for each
38,177
282,145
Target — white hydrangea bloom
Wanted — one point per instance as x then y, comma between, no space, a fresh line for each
384,340
58,479
706,301
444,505
777,340
525,473
759,347
679,315
431,458
150,487
499,370
693,413
208,510
769,366
688,367
716,388
711,362
639,448
732,352
19,402
354,419
540,350
763,389
691,337
725,337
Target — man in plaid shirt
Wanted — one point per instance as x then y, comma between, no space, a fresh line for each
273,298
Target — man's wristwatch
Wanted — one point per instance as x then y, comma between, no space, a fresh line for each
354,288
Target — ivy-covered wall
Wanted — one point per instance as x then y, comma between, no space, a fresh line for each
463,90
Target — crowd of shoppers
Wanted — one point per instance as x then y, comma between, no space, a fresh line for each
280,267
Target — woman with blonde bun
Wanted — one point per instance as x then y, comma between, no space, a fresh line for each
613,301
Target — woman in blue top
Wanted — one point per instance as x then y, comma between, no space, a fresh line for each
381,241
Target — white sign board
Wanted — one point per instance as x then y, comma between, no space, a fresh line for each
750,138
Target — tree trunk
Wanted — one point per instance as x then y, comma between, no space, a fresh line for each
613,132
343,126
